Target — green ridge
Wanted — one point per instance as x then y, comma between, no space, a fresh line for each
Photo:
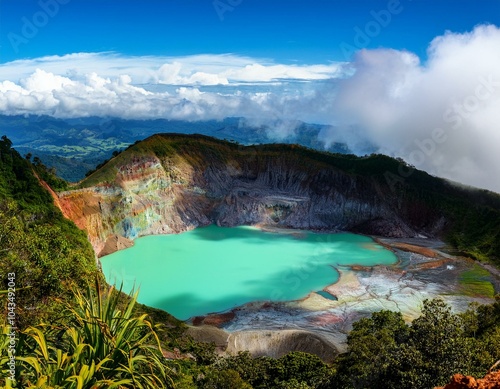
472,215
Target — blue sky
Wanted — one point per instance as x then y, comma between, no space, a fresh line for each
417,79
284,30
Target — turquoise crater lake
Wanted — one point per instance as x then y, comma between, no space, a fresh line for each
213,269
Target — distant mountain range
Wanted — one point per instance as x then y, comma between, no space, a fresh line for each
75,146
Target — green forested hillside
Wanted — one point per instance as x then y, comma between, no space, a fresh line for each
69,145
47,253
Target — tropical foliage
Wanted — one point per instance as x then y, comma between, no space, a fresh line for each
98,346
385,352
47,253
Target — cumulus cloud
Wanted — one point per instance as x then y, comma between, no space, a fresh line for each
189,70
109,84
45,93
440,115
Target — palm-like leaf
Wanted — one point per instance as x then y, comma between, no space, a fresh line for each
101,347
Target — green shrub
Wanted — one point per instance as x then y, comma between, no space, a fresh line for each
101,346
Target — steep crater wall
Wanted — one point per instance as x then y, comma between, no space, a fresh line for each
158,194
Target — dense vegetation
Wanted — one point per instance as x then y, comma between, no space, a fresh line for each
98,345
103,343
48,254
384,352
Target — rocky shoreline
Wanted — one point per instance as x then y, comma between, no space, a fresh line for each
422,272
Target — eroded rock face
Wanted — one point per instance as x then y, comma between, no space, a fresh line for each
151,195
273,343
278,343
209,334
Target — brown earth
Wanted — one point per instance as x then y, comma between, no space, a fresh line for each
425,251
216,320
431,264
361,268
459,381
114,243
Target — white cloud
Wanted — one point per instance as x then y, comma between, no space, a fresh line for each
41,81
398,103
261,73
175,74
109,84
189,70
49,94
